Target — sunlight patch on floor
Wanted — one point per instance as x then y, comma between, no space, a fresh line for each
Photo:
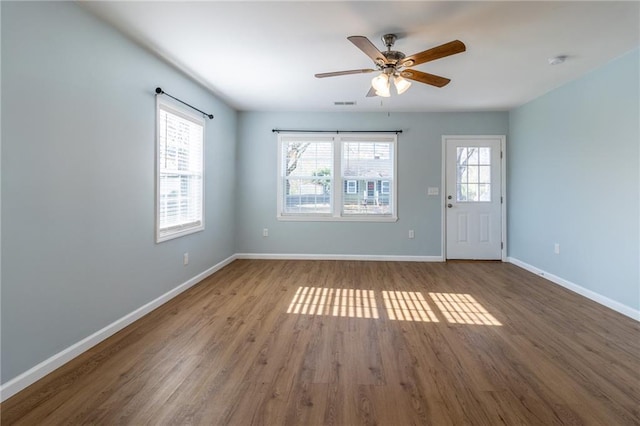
456,308
337,302
407,306
461,308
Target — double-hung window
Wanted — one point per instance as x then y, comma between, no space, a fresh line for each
179,172
337,177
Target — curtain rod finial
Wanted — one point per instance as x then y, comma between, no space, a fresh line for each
158,90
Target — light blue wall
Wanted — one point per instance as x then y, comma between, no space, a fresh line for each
573,174
419,166
78,129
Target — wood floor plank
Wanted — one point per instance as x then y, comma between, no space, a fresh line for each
354,343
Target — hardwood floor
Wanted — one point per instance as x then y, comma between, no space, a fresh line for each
350,343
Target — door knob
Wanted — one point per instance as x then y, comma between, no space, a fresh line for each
449,205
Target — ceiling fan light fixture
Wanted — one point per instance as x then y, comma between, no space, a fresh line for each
380,82
401,84
385,93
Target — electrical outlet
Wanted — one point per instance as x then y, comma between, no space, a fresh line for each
556,248
185,259
411,234
265,232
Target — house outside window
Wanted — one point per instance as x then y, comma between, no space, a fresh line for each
337,177
179,172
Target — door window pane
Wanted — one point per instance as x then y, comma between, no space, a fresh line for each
485,156
485,174
473,177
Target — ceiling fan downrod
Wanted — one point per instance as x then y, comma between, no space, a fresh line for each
389,40
393,56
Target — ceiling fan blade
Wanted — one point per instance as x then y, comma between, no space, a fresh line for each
368,48
337,73
371,93
423,77
434,53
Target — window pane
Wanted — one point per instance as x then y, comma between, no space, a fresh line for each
363,203
179,201
370,164
307,196
169,199
307,159
308,171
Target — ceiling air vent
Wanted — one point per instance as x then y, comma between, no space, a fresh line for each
342,103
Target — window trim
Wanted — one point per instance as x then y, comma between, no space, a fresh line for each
336,214
177,231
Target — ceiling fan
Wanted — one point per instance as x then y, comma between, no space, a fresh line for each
395,66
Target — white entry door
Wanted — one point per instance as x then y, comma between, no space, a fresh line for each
473,197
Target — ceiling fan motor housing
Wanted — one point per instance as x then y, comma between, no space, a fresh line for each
393,56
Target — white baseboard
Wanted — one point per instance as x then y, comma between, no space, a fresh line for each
589,294
37,372
370,257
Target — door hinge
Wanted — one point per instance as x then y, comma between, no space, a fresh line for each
502,245
500,154
501,200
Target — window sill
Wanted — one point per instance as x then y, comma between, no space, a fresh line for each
294,218
166,236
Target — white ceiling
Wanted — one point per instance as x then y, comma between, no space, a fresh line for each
263,55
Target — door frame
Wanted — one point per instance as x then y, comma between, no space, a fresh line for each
503,189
